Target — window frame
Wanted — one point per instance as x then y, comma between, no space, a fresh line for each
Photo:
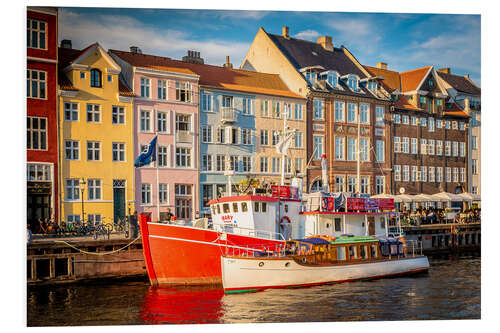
38,31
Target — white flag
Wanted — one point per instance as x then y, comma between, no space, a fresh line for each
285,142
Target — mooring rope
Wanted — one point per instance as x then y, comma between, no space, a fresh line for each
96,253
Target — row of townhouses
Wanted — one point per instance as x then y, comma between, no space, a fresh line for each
91,112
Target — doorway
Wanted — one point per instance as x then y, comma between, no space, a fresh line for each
371,225
118,200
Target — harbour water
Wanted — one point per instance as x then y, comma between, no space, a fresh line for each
451,290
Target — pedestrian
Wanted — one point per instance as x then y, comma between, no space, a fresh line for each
168,216
29,234
133,222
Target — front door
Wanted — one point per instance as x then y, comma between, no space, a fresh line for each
118,200
371,225
38,203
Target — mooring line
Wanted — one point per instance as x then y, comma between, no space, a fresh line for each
96,253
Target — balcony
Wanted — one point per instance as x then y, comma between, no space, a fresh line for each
227,115
184,136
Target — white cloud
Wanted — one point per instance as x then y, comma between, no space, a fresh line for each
120,32
307,34
242,14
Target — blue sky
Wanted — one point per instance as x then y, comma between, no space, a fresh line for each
404,41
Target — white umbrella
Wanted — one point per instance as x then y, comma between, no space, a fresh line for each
445,196
425,197
470,196
403,198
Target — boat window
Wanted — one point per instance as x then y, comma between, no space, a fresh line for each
341,253
218,209
353,253
264,207
373,250
382,223
225,208
286,208
338,224
244,207
235,207
363,251
256,206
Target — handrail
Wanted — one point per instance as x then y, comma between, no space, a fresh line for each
272,234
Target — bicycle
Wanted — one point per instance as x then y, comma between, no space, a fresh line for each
102,229
122,226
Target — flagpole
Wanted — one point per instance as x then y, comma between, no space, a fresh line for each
157,179
357,166
284,136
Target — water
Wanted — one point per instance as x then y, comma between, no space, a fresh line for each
451,290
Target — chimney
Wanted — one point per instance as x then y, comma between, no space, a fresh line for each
135,49
66,44
382,65
446,70
227,64
285,32
467,76
326,42
193,57
467,105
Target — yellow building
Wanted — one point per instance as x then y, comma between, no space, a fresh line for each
95,136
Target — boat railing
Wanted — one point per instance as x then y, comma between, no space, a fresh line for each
257,251
244,231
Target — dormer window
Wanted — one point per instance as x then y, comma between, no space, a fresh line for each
331,77
352,82
95,78
372,86
311,77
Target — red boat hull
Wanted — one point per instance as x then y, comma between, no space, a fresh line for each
179,255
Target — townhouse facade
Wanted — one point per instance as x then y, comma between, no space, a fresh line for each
96,121
344,102
166,105
429,135
467,96
41,154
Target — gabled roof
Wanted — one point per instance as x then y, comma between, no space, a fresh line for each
411,80
391,81
403,103
460,83
213,76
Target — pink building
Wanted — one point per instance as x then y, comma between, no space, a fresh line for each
166,104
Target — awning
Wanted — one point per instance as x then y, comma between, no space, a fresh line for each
424,197
470,196
445,196
403,198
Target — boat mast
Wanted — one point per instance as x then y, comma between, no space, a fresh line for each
357,159
285,114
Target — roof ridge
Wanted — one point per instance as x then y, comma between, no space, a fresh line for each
416,69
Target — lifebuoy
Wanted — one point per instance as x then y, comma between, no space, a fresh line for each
284,219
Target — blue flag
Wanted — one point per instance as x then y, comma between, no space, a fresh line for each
148,155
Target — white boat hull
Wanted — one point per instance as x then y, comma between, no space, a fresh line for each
251,274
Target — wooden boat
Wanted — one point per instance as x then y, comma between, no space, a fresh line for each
316,261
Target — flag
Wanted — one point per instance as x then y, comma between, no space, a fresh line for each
285,142
324,172
148,155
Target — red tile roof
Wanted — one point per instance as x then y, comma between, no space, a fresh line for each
459,113
392,79
460,83
403,103
213,76
410,80
124,90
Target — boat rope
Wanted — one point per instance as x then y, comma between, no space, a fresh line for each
97,253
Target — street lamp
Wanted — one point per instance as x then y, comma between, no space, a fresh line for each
82,187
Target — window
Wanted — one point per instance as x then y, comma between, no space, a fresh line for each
145,121
183,92
414,120
455,148
439,174
447,148
37,34
406,120
247,106
146,194
220,163
94,189
339,148
364,155
145,87
162,121
379,184
462,149
298,112
454,124
351,112
206,133
36,133
110,78
264,164
352,82
318,109
264,108
455,175
36,84
162,89
38,172
339,111
439,123
406,173
474,142
448,174
82,75
246,164
276,110
72,189
414,173
93,151
462,175
397,144
447,124
414,145
397,119
206,162
275,165
246,136
364,113
372,86
423,122
365,184
73,218
379,115
162,156
118,115
351,149
207,102
423,146
332,79
183,157
182,122
71,111
439,147
95,78
276,138
474,189
72,149
94,218
474,166
430,147
397,173
431,124
256,206
462,126
351,184
318,147
423,173
339,183
288,165
264,137
422,99
406,145
163,194
379,150
118,152
233,163
432,175
298,140
311,77
341,253
93,113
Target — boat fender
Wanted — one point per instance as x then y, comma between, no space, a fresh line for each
284,219
304,260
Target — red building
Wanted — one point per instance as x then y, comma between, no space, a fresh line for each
41,126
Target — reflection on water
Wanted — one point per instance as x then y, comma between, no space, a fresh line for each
451,290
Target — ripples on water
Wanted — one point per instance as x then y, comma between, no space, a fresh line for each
451,290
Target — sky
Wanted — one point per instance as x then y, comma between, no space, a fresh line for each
402,40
